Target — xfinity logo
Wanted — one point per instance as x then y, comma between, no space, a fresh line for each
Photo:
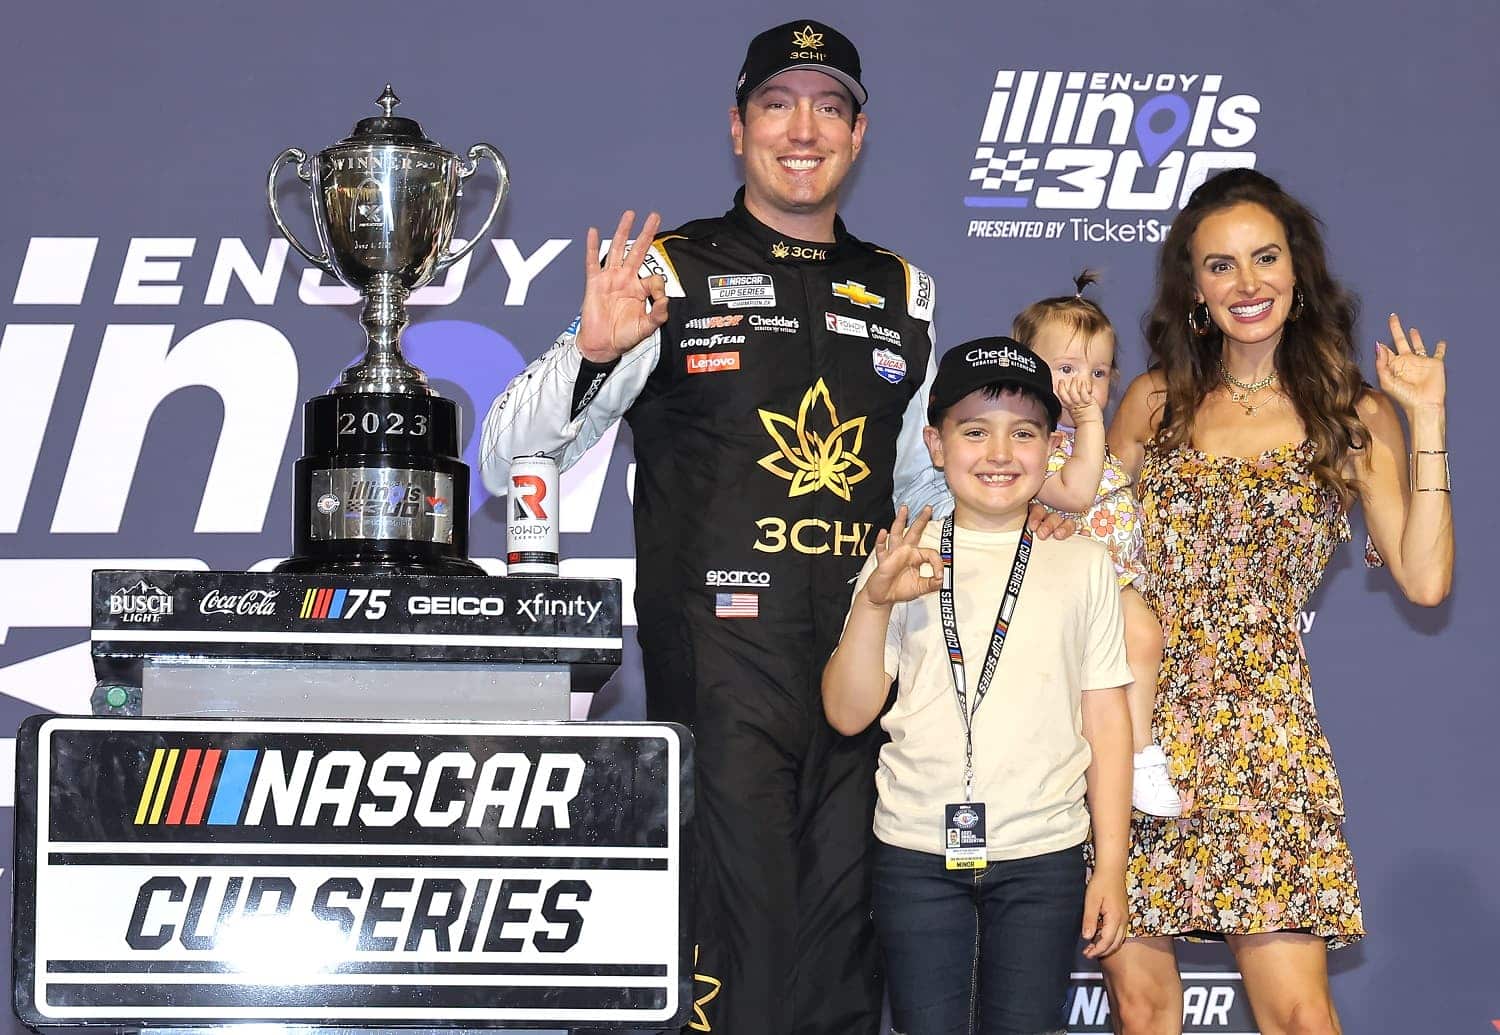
720,577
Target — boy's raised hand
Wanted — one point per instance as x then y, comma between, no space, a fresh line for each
905,570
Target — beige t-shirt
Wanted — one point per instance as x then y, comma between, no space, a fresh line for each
1066,636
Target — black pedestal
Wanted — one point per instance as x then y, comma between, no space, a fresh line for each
380,488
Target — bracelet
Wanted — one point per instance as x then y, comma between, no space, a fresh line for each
1447,474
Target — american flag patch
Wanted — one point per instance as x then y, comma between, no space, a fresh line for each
736,605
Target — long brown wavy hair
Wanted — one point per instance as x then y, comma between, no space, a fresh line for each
1315,361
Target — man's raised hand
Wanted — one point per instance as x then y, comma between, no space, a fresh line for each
615,316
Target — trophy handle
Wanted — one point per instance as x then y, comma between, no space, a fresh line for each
502,189
293,154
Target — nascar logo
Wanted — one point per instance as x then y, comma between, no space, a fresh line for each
252,787
188,786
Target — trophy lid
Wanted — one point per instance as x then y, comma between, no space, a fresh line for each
388,128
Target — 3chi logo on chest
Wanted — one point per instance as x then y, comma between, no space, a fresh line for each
815,450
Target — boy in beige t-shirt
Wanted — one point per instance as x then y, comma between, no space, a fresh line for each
1009,732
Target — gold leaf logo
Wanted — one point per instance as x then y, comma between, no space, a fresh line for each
700,1019
779,250
807,39
811,458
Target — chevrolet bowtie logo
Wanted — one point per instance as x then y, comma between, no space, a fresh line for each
779,250
807,39
811,459
857,293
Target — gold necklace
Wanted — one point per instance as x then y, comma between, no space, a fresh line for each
1242,392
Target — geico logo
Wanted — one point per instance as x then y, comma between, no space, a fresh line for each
1006,357
494,606
506,789
711,341
389,914
737,578
814,536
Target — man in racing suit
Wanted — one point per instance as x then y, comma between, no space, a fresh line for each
776,391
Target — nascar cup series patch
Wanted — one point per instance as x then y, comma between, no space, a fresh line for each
176,872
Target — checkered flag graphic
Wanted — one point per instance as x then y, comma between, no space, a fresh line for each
996,173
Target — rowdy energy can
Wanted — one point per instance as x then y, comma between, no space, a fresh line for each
531,539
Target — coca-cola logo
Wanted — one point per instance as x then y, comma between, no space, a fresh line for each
250,602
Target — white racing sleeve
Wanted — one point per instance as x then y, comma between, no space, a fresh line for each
917,483
562,404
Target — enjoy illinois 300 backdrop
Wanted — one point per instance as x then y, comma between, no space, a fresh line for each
158,337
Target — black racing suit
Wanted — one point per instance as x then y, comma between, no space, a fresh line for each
775,415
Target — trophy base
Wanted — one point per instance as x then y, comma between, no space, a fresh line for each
373,563
380,488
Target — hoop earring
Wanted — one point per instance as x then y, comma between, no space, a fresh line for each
1299,305
1198,320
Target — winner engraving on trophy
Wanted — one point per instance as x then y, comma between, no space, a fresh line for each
380,485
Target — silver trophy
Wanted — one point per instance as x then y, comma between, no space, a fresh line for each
385,200
380,484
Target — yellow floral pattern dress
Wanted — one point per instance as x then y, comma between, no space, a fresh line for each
1113,519
1234,548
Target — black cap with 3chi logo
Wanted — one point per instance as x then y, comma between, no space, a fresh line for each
800,44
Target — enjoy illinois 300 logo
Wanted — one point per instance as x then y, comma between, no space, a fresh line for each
1081,141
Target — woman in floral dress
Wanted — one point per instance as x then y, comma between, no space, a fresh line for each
1250,438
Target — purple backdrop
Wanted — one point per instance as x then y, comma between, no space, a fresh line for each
147,302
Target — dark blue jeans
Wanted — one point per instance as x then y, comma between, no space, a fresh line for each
978,952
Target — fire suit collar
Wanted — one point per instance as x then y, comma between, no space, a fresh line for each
776,246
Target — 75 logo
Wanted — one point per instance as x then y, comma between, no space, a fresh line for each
336,603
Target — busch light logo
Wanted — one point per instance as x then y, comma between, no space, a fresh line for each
1067,143
142,603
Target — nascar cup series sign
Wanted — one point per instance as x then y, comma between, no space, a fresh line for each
176,873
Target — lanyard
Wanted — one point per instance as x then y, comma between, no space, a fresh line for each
997,641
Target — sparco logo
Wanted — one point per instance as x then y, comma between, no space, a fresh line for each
712,341
720,577
250,602
142,602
